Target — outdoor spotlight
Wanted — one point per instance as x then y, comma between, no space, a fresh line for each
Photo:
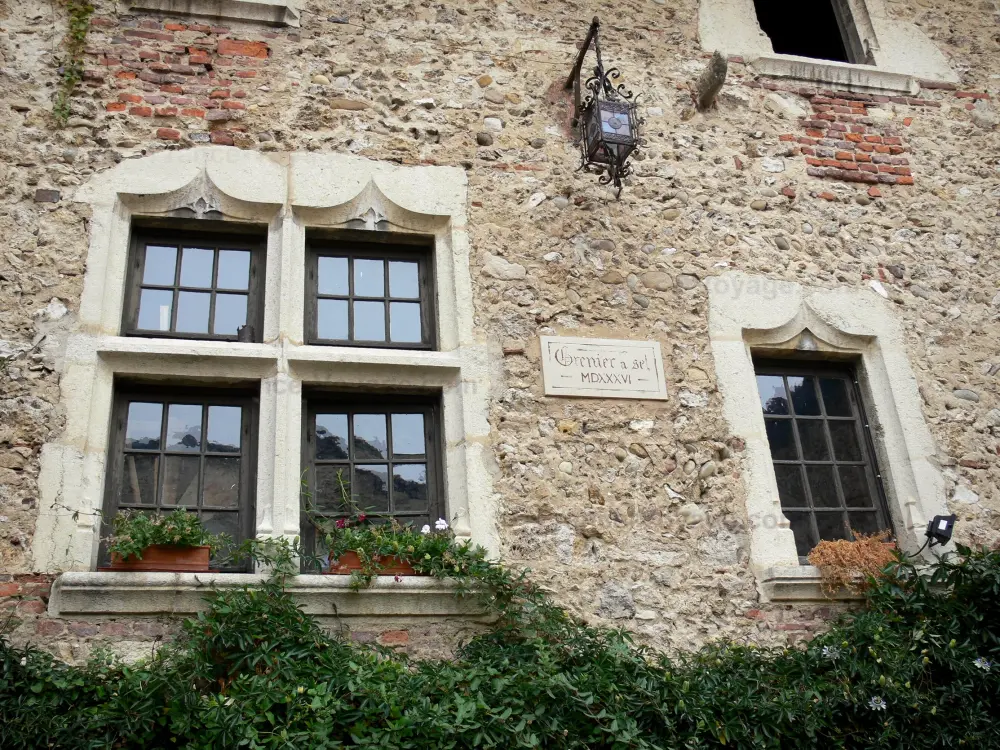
940,529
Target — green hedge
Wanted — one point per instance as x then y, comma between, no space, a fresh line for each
919,667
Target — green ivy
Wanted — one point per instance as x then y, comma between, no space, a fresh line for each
918,667
71,65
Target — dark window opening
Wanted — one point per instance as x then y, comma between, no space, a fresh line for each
828,479
377,456
822,29
184,448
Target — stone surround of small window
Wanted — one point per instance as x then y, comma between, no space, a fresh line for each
286,194
270,12
756,317
886,54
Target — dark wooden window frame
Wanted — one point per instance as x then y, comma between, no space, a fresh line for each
418,249
220,237
247,398
318,402
869,458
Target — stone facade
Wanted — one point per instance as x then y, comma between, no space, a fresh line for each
632,513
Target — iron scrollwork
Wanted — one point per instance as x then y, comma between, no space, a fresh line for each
607,118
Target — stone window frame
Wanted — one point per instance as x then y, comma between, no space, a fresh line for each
902,55
288,193
269,12
756,316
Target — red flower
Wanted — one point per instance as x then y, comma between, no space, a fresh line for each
362,517
341,523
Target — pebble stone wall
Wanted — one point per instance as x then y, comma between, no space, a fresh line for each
631,513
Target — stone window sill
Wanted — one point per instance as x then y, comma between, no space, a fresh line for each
800,583
112,593
271,12
867,79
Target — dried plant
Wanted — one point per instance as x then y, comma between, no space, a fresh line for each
853,565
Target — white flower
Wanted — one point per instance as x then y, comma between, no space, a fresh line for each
983,664
426,529
876,703
440,524
831,652
24,661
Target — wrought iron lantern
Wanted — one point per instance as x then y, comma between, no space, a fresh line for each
607,119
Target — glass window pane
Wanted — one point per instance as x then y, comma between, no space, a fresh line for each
369,278
331,437
409,487
159,266
779,435
801,525
225,424
331,319
184,427
831,525
180,480
142,429
370,488
864,523
333,276
408,435
821,483
790,490
845,440
222,522
370,436
854,480
805,402
230,313
772,394
404,323
327,495
234,269
369,321
835,397
404,279
140,480
155,306
196,267
222,483
813,440
192,312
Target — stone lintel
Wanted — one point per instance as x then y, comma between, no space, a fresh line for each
801,583
118,593
271,12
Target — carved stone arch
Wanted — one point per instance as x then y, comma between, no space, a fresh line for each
753,315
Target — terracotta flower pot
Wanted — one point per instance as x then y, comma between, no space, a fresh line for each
390,565
164,558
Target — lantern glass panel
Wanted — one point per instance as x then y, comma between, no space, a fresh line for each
615,122
593,136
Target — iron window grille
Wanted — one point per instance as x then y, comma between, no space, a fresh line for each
195,285
824,460
191,449
368,294
386,452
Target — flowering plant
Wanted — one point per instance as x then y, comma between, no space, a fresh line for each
381,544
133,532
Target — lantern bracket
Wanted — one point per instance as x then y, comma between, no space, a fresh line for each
605,150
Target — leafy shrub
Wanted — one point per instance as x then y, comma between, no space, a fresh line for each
133,532
917,668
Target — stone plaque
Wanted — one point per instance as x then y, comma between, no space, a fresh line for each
602,368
